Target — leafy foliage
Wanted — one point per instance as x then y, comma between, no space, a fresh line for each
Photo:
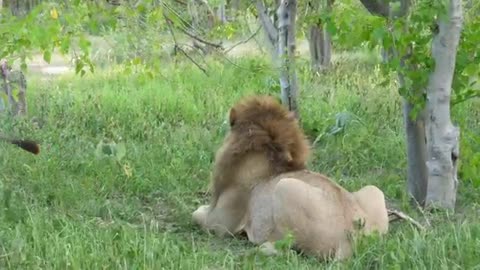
46,27
411,36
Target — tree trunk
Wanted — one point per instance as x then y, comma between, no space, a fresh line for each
416,154
442,136
269,28
221,14
2,104
417,177
320,42
387,54
234,9
20,7
286,51
14,80
203,17
320,48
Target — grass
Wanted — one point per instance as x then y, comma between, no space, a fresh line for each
70,208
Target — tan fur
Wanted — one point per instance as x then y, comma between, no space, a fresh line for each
261,186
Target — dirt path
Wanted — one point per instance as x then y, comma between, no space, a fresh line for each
61,64
58,65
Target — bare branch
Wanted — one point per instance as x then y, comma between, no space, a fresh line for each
259,45
169,24
267,24
191,59
199,39
188,33
181,2
244,41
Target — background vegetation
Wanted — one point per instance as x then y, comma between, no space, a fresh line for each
75,207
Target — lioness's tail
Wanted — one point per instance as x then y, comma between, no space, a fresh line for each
27,145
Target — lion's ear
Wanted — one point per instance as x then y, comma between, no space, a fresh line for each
232,116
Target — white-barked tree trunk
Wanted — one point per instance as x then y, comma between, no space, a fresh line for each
286,12
442,135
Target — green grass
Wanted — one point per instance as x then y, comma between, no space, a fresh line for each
69,208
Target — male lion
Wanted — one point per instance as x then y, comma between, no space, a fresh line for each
261,187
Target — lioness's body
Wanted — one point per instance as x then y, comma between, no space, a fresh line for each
315,210
318,213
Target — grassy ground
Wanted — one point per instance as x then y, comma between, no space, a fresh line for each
72,208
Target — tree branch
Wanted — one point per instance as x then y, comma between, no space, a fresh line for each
377,7
199,39
244,41
267,24
382,8
169,24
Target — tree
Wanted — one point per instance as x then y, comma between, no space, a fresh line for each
320,42
269,26
20,7
442,136
287,12
14,86
281,37
432,140
30,26
414,124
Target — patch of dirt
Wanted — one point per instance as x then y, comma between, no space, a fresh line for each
58,65
61,64
251,48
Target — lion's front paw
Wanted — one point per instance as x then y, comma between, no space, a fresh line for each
199,216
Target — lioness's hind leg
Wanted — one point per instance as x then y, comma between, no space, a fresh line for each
372,201
268,249
313,216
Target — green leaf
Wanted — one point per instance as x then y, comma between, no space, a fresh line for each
384,83
331,27
47,56
78,66
471,69
121,151
378,33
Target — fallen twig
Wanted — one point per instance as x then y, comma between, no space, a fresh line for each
400,215
420,209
